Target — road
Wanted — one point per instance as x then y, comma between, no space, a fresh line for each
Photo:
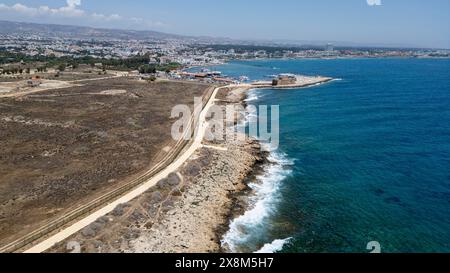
178,162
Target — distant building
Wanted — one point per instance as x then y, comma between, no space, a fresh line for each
161,74
165,60
35,81
329,47
284,79
201,75
224,80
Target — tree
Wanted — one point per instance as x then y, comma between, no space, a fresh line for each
146,69
62,67
42,69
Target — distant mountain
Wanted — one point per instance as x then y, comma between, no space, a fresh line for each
65,31
87,33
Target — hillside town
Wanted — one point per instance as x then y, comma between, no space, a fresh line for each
23,55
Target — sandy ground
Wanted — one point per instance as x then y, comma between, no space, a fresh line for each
21,88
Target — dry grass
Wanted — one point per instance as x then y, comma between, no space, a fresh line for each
64,147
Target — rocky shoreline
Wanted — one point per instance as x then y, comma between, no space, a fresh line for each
240,200
188,212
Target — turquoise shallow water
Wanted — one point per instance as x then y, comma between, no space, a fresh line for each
366,158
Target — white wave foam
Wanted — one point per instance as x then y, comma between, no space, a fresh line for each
251,115
252,95
248,227
321,83
263,204
273,247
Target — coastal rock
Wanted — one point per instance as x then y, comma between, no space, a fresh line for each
92,230
194,223
156,197
132,234
103,220
88,232
193,169
97,244
137,217
119,210
173,179
162,184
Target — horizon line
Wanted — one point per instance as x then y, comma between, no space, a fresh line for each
361,45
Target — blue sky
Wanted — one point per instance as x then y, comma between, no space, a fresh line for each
394,22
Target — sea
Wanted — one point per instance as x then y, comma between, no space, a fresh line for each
363,162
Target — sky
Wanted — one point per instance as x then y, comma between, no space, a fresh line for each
421,23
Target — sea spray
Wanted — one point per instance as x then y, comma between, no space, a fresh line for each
245,231
274,247
252,96
244,234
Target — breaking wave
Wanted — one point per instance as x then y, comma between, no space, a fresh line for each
262,204
274,247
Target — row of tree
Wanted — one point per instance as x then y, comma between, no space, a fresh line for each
152,68
139,62
19,70
15,70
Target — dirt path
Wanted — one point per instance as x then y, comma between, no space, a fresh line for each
96,79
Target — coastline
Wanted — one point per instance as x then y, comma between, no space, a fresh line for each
191,210
313,58
186,212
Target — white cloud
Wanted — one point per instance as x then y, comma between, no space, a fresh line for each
112,17
73,3
70,10
73,10
374,2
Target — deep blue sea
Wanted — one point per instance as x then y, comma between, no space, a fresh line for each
364,158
